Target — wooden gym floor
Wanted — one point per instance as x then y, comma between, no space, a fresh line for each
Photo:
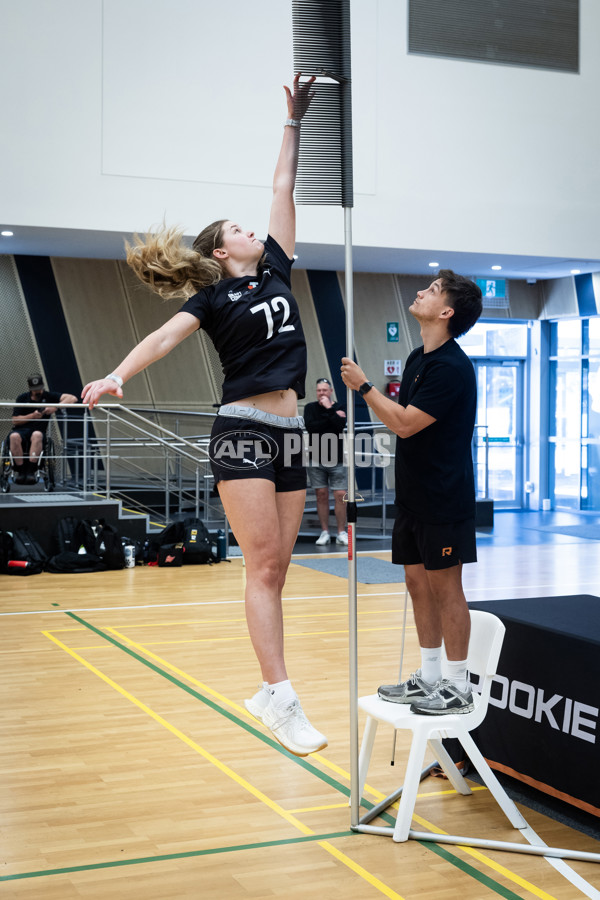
130,768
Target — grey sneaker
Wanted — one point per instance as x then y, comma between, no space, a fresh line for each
416,688
444,700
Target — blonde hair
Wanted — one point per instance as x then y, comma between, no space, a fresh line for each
163,261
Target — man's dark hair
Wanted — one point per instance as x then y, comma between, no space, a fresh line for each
464,296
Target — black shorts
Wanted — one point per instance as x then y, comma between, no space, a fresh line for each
25,435
244,448
436,546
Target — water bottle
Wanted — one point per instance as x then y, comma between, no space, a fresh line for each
221,544
129,551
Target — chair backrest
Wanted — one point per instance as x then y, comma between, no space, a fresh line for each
487,636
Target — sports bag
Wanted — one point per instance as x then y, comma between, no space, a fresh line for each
197,545
77,563
193,534
26,556
100,540
64,534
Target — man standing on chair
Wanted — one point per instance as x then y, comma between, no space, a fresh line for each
325,421
434,532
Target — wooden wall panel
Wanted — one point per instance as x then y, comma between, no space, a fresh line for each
318,365
99,321
184,379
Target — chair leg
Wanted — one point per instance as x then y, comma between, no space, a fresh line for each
364,757
412,780
491,782
447,763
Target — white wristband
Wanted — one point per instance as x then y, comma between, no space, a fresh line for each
116,378
295,123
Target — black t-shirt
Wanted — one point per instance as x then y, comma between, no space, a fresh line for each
434,468
321,421
256,329
49,398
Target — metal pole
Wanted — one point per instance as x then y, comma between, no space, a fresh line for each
167,513
198,495
86,422
351,516
107,461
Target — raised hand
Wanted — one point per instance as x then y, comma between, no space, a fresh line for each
299,101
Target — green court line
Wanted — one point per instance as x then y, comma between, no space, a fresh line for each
323,776
224,712
188,854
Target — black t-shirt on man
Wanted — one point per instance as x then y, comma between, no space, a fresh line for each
256,329
48,398
434,468
322,421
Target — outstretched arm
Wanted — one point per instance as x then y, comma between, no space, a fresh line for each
153,347
403,421
282,224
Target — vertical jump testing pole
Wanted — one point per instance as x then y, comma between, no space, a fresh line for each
321,30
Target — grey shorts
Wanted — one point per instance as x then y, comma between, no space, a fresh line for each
333,477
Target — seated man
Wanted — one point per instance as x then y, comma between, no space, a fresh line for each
29,427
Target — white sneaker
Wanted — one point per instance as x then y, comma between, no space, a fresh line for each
291,728
323,538
342,538
257,704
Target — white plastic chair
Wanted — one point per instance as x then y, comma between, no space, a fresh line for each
487,635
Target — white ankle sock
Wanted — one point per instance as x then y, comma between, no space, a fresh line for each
282,692
457,673
431,664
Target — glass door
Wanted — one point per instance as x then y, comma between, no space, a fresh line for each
498,439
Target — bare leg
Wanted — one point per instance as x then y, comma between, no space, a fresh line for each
322,495
446,587
265,525
35,447
440,608
340,510
16,448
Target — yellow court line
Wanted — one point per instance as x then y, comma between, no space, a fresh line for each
316,756
244,637
238,779
538,892
242,619
420,796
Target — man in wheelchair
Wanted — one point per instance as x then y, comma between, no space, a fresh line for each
26,440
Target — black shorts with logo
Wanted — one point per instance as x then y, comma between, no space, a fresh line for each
244,448
434,545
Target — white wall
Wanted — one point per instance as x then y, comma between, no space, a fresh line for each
116,113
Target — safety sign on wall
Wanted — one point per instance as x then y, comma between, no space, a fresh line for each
392,368
393,332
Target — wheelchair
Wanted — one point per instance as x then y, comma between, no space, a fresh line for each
45,470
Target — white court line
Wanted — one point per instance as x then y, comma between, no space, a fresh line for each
471,592
38,612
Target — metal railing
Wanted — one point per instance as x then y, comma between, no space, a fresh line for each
127,454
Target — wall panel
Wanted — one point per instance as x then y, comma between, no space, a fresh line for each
20,356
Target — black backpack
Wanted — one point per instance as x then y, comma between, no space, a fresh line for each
100,540
25,549
64,534
193,534
6,550
70,539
